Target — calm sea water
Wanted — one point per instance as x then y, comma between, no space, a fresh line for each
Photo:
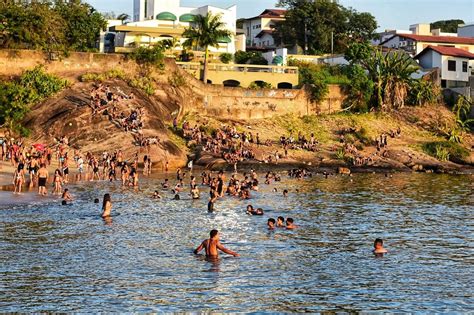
64,258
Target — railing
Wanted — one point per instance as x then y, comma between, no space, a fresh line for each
239,68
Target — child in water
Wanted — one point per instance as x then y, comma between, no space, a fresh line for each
280,222
271,224
378,247
289,224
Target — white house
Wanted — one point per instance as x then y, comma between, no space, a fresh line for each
156,20
454,64
259,29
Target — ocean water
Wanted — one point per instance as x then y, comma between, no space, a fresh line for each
67,259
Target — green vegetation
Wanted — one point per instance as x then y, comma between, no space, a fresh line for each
143,83
448,26
17,96
206,31
445,150
309,24
226,57
101,77
49,25
256,85
462,109
250,57
177,79
383,80
149,57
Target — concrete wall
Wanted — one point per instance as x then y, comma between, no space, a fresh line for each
14,62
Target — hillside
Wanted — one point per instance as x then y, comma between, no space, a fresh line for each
342,139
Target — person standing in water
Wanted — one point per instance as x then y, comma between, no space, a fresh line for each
106,206
42,179
19,178
212,245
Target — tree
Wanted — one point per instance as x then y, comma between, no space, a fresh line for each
448,26
205,32
319,26
83,24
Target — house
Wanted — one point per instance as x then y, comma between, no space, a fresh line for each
157,20
259,30
415,44
466,30
454,64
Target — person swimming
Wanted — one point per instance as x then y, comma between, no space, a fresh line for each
212,245
280,222
285,193
66,195
289,224
156,195
271,224
378,247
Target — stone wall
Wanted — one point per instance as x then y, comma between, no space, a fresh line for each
14,62
224,102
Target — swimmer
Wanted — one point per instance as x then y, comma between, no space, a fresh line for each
259,211
176,197
280,222
285,193
106,206
67,196
250,209
96,200
378,247
271,224
166,184
289,224
211,246
42,179
275,190
156,195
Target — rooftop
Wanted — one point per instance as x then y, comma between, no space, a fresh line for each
436,39
448,51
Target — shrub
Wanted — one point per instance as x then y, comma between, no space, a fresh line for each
149,56
445,150
177,79
16,97
101,77
340,154
143,84
251,57
226,57
256,85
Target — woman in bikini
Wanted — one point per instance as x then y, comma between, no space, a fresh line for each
19,178
58,179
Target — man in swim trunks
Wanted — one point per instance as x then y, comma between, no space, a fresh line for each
42,179
211,246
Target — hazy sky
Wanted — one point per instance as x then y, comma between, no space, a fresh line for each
397,14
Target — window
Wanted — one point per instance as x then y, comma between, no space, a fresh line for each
464,66
451,65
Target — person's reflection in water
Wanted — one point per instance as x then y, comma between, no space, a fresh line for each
215,264
107,220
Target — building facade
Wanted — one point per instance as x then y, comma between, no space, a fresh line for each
454,64
259,30
157,20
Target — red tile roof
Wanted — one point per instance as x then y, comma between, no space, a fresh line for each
439,39
448,51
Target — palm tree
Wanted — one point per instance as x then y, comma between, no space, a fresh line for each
205,31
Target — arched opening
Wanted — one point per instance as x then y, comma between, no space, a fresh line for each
259,84
285,85
209,81
231,83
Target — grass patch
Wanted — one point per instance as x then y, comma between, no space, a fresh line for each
445,150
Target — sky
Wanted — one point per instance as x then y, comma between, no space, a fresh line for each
390,14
